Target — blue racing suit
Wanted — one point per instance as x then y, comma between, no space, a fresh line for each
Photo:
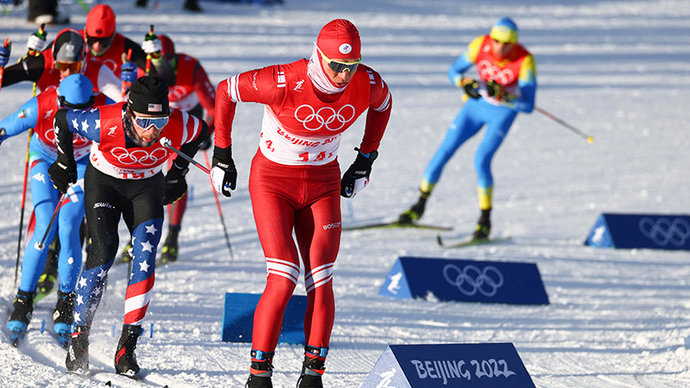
517,76
45,199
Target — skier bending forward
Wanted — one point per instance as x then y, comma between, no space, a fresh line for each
295,179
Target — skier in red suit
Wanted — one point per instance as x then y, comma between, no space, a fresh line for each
193,93
295,179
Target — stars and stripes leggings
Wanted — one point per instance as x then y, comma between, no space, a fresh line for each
305,199
140,203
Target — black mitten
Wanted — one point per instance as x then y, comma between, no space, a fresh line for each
471,87
63,172
223,173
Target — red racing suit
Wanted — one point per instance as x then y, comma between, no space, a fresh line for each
294,182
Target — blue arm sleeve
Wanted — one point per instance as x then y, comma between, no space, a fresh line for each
528,89
21,120
460,66
86,123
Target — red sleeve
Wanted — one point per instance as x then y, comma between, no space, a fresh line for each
380,105
225,113
260,86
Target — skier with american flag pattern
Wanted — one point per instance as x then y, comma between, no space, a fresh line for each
124,178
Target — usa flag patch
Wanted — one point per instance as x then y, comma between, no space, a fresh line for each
155,107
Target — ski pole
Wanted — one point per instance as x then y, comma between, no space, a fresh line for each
41,34
165,142
23,205
41,245
150,36
590,138
220,211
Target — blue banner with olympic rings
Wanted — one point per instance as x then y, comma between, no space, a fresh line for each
465,280
651,231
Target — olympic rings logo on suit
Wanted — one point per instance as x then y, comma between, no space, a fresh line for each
142,157
487,71
662,231
325,116
471,279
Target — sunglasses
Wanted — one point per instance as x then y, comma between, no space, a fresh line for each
104,41
146,122
74,67
340,67
501,42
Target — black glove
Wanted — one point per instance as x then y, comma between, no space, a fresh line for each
471,87
223,174
175,184
495,90
63,172
356,177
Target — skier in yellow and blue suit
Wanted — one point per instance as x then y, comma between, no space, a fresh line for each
507,85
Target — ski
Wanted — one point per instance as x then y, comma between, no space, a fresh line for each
469,241
396,224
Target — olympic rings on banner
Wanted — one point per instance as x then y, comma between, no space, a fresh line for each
662,231
471,279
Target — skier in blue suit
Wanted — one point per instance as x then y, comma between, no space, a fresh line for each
507,85
74,91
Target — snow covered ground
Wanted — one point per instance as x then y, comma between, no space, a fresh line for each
619,70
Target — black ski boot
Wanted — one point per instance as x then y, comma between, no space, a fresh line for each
23,307
169,251
483,225
125,360
77,360
416,211
261,370
312,370
63,316
47,280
